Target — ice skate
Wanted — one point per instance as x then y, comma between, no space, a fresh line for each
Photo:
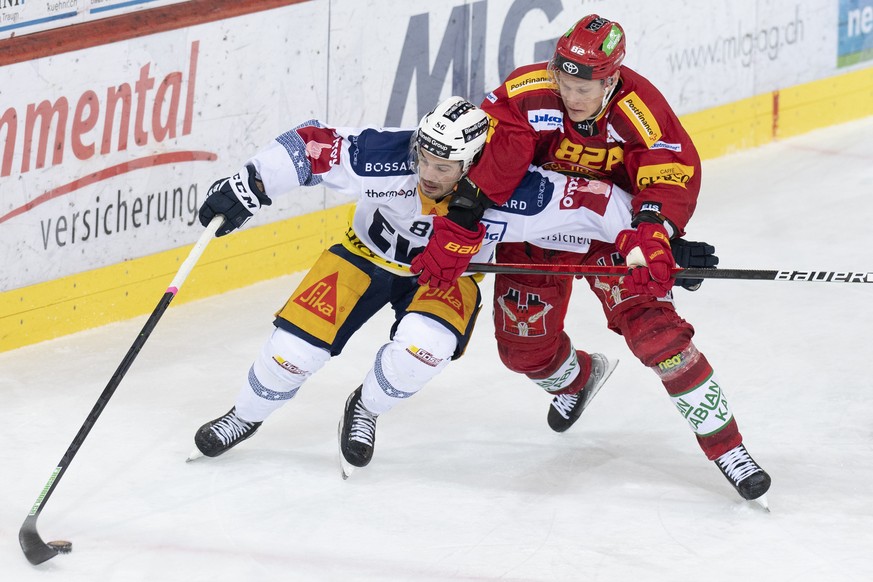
747,477
566,408
357,434
220,435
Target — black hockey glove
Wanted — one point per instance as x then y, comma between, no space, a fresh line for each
693,255
237,198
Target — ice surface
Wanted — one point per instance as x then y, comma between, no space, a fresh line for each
468,482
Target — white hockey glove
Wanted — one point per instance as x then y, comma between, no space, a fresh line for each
237,198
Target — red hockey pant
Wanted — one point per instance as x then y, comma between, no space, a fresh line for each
529,312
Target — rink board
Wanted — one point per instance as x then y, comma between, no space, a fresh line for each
288,236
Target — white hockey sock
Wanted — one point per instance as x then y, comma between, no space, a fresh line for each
566,373
284,364
421,348
705,407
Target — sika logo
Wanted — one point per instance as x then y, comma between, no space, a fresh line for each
320,298
450,297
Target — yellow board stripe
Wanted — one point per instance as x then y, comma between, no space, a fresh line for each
93,298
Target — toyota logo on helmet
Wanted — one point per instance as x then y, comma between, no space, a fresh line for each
570,68
592,49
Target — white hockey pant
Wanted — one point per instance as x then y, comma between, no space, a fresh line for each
421,348
284,364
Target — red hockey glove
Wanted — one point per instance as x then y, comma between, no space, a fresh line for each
447,254
648,254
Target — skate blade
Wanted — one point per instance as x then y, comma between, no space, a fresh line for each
345,468
613,364
762,501
194,455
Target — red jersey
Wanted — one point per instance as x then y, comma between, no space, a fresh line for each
637,142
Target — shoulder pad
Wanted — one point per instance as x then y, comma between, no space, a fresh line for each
376,152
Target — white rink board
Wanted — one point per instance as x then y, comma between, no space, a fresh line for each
239,100
345,62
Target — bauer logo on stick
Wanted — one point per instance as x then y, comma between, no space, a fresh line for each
825,276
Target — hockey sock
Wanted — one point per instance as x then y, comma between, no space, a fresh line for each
284,364
568,371
420,349
698,396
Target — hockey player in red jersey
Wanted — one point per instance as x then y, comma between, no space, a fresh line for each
584,114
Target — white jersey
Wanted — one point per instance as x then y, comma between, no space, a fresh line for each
392,221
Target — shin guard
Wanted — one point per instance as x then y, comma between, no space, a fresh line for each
698,396
420,349
284,364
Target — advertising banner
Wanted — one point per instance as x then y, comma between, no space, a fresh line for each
19,17
108,158
855,32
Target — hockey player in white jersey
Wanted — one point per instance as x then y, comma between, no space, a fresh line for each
402,181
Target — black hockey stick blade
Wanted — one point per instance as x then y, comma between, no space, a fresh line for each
35,549
678,273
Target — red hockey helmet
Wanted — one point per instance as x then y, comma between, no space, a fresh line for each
592,49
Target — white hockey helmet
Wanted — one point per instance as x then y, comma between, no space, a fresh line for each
455,130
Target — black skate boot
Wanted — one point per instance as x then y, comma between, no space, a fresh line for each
357,434
566,408
748,478
223,433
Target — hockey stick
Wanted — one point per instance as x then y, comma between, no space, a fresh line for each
678,273
35,550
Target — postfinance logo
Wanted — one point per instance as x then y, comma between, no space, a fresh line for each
641,118
530,82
